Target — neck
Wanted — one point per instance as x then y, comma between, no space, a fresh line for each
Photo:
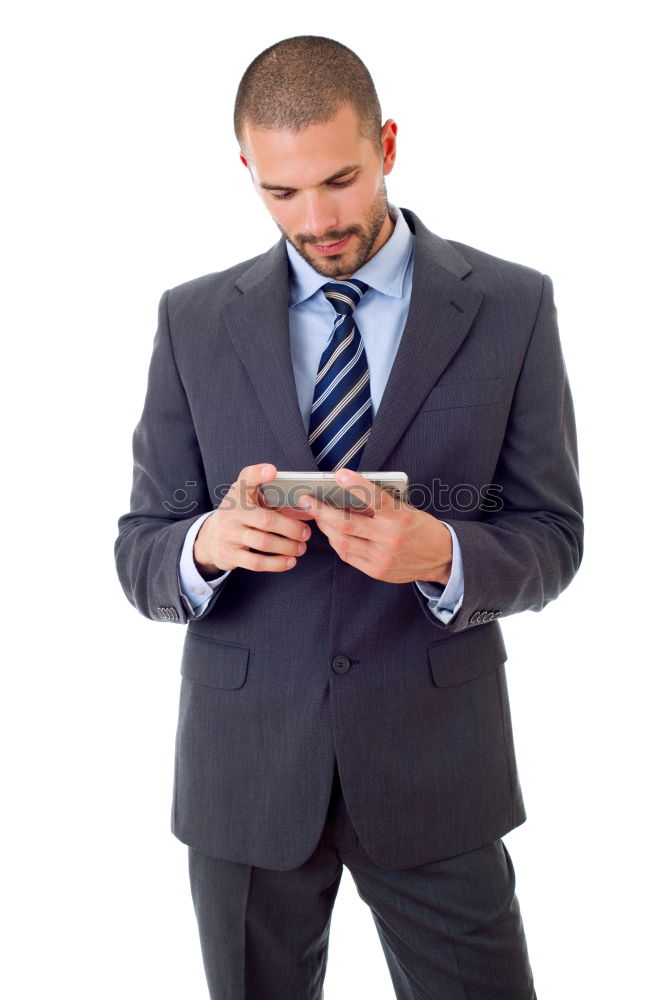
384,234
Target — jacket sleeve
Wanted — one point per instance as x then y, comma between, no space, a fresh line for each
169,490
524,554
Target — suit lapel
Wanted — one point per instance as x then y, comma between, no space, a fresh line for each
258,324
441,313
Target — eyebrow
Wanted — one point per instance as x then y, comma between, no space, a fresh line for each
334,177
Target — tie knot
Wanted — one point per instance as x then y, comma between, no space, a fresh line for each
345,295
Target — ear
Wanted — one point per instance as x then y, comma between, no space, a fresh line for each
244,161
388,137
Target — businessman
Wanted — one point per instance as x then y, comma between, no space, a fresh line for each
343,696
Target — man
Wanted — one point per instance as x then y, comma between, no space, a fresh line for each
344,697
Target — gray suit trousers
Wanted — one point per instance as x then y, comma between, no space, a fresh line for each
450,930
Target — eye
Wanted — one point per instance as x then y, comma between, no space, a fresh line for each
342,184
282,197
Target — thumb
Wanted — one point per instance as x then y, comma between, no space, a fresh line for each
246,487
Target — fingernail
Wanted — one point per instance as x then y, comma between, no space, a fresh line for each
305,534
301,548
304,503
291,562
344,476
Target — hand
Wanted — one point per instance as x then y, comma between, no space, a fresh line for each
242,529
397,544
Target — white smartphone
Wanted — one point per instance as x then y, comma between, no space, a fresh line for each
287,487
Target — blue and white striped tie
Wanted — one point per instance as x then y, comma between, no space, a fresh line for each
341,414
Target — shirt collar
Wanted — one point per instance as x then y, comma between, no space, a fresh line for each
384,272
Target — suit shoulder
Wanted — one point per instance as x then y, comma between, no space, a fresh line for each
477,267
194,307
505,285
497,270
216,285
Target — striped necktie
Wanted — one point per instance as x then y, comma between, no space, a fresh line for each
341,405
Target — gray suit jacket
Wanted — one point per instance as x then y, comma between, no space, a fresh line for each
286,672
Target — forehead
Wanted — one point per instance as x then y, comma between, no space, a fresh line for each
306,158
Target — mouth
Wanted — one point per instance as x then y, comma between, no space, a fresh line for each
328,249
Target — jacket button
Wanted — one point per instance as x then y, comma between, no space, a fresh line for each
341,664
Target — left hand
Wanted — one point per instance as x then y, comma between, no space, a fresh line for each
397,543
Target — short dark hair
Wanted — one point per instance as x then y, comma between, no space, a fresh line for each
304,81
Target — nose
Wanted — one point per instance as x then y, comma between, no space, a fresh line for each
321,214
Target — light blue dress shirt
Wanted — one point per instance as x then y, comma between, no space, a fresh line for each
381,316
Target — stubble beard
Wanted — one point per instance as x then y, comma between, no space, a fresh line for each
335,266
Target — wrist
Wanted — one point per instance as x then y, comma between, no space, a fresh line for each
441,576
442,573
207,569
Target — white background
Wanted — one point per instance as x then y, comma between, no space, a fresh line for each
527,129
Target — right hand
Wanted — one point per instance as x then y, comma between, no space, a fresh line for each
242,529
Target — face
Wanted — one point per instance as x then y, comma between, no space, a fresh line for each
325,189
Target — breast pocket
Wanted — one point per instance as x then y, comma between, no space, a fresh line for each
452,395
214,663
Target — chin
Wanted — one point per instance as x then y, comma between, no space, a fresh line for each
339,271
335,267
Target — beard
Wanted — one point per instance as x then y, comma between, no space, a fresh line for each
337,266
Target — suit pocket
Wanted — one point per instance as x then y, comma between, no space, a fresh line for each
456,394
466,655
214,663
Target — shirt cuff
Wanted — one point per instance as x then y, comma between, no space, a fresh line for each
444,602
195,591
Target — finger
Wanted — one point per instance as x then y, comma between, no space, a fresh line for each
309,503
265,541
295,514
372,495
359,553
355,523
258,563
267,519
349,548
245,489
